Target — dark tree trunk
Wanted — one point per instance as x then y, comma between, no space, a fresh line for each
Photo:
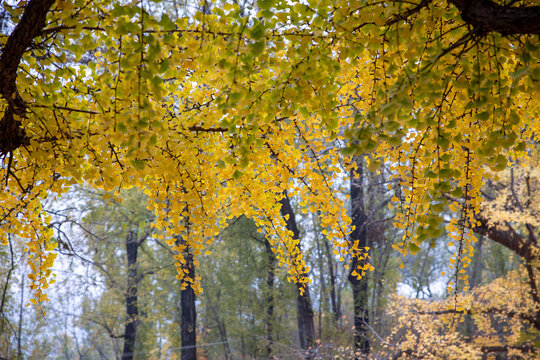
488,16
359,286
132,309
270,278
188,312
32,21
306,327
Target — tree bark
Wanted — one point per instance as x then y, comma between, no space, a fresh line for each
507,237
306,327
29,27
132,309
359,286
489,16
486,16
188,312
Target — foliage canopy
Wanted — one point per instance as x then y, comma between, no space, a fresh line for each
215,116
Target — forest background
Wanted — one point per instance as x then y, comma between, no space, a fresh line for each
269,179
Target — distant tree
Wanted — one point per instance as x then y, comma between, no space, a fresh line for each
116,233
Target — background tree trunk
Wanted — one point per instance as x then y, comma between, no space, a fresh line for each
334,301
188,312
306,327
222,328
359,287
322,281
132,309
270,297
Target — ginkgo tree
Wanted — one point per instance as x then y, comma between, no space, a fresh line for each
150,112
216,115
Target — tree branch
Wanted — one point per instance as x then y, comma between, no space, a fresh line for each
489,16
506,237
30,25
406,14
525,348
534,320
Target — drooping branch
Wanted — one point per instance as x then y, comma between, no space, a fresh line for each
489,16
30,26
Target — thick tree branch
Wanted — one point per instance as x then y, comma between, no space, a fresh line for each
30,26
514,241
489,16
32,21
506,237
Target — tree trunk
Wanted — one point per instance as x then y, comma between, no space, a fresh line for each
188,312
132,309
322,290
384,256
222,329
359,287
324,253
270,297
32,21
306,327
336,308
476,272
474,280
